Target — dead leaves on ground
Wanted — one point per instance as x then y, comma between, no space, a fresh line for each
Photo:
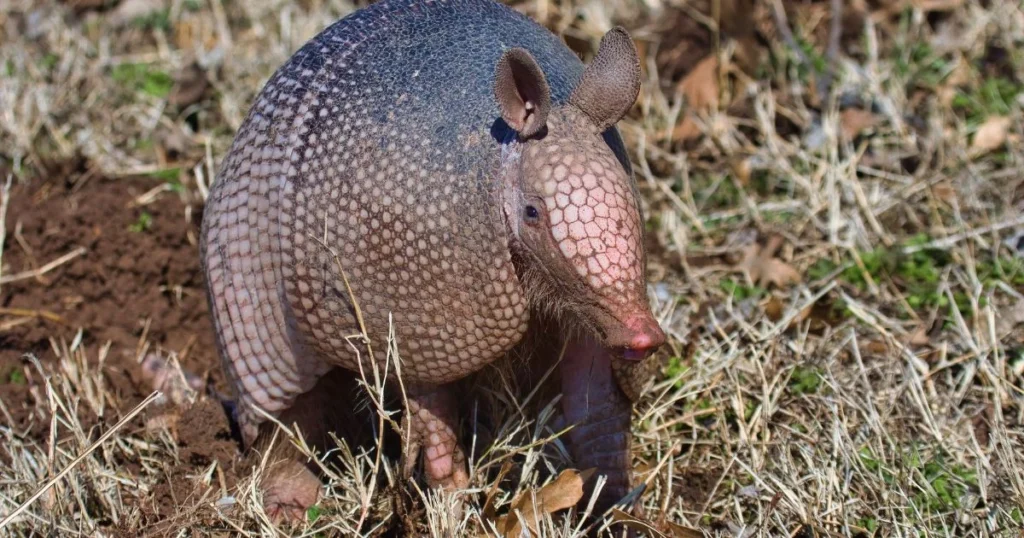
991,136
700,88
761,267
530,507
854,121
645,527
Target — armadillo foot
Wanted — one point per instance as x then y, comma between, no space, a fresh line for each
289,489
431,421
289,485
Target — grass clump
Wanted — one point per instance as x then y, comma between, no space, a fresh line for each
143,78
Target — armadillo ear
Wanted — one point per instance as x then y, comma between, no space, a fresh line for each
611,82
522,92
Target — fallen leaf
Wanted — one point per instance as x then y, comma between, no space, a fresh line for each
762,267
489,511
991,135
742,169
854,121
189,86
636,524
944,191
937,5
874,347
528,508
919,337
774,308
130,10
676,530
700,88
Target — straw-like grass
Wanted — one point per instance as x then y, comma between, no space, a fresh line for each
880,395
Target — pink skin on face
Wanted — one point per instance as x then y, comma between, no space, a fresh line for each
595,225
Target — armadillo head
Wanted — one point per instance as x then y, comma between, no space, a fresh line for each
569,204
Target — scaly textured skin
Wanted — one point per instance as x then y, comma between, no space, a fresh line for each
376,160
390,170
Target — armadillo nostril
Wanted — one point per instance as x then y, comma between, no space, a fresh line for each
636,354
646,338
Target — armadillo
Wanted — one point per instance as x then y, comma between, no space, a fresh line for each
447,173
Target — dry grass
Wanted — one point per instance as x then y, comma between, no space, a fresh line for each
881,395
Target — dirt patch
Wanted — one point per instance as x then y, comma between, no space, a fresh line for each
139,265
137,279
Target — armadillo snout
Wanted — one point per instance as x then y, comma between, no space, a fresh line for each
637,335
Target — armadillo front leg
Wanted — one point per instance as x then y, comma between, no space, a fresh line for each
600,412
431,422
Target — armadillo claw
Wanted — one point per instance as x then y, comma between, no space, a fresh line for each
179,386
289,490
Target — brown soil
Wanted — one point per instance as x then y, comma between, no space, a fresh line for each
136,269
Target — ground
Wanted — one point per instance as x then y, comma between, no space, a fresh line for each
834,217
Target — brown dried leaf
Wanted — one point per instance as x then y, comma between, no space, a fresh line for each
700,88
742,169
646,527
634,523
564,492
189,86
854,121
774,308
944,191
676,530
937,5
489,510
874,347
919,337
991,135
762,267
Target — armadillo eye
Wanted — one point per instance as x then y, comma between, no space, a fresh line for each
531,214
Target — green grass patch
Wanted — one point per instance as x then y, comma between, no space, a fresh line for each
142,224
917,275
994,97
167,174
17,377
920,66
675,369
805,380
49,61
740,291
936,486
154,20
947,483
142,78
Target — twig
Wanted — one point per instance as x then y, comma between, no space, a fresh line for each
949,242
782,23
835,37
92,448
5,194
29,313
24,275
